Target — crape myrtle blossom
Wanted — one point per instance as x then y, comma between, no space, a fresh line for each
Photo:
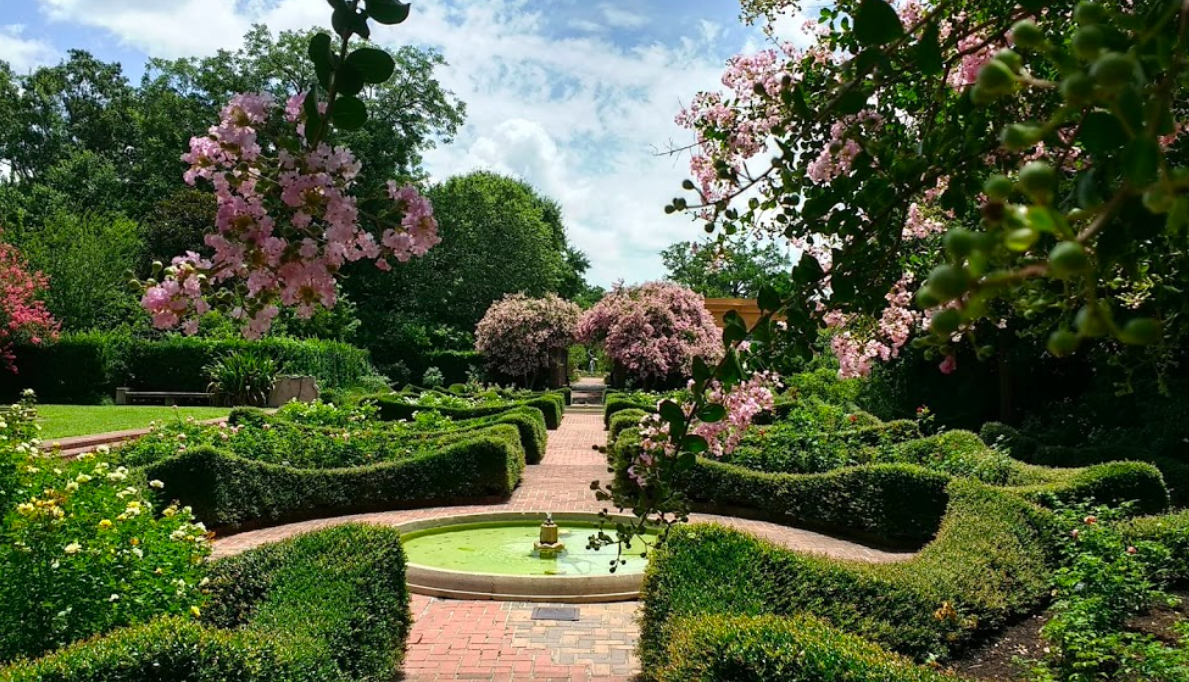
286,220
519,336
742,403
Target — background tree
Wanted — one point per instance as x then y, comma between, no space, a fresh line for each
524,337
727,267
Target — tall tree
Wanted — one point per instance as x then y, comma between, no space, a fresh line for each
727,268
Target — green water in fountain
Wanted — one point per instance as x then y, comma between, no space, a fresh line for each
506,548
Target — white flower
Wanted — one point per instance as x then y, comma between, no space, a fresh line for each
156,484
138,552
103,449
72,548
114,597
72,486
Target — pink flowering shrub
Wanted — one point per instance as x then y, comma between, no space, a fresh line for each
23,316
652,331
286,221
519,336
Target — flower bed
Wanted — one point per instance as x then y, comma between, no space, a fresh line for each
328,605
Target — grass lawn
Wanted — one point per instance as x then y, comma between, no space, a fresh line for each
63,421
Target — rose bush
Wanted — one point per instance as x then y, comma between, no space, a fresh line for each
84,547
652,331
520,336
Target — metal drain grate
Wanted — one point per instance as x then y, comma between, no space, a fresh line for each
555,613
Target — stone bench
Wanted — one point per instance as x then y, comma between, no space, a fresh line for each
128,397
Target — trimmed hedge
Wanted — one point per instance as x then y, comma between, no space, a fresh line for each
1170,530
1028,449
989,563
226,490
394,408
622,421
327,605
775,649
617,401
87,368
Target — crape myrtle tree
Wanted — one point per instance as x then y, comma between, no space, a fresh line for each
522,337
288,218
947,168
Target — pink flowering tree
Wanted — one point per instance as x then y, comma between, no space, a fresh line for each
523,337
287,219
947,168
23,315
652,332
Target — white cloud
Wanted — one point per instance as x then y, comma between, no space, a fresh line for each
24,54
621,18
579,117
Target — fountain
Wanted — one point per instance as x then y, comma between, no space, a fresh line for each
517,556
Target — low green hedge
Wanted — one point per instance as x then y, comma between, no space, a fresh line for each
775,649
989,564
327,605
226,490
616,402
622,421
394,408
1028,449
1170,530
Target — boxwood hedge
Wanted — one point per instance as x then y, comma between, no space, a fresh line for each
328,605
393,407
990,562
763,648
1170,530
230,491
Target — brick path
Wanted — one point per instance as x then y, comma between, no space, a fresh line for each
498,641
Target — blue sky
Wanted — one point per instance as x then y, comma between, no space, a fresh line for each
574,96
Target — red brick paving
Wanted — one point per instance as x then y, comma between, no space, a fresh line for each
498,641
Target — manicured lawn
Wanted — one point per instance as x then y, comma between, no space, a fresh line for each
63,421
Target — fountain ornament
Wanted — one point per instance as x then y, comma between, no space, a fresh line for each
549,546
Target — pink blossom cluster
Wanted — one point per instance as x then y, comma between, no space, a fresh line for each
743,402
856,350
837,158
652,330
286,221
24,315
519,336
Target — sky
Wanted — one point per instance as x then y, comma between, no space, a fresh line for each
577,97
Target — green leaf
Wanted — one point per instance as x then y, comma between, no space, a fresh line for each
713,412
1178,216
928,51
388,12
851,102
671,412
732,371
877,23
1141,161
686,461
348,80
341,20
313,116
376,66
320,54
695,444
769,299
1102,133
350,113
701,370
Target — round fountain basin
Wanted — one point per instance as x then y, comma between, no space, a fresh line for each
491,556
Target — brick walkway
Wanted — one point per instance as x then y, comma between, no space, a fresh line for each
498,641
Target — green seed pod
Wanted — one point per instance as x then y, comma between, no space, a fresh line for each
1141,331
1113,70
926,298
946,322
1078,89
687,184
996,78
1039,181
1025,34
980,95
1012,58
1158,200
1021,239
1063,342
1087,13
1090,322
1089,41
998,187
948,282
960,242
1069,259
1019,136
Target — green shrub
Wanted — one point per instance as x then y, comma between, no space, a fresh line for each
241,378
82,368
455,366
962,453
623,420
616,402
328,605
394,407
791,448
227,490
775,649
989,563
1170,530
